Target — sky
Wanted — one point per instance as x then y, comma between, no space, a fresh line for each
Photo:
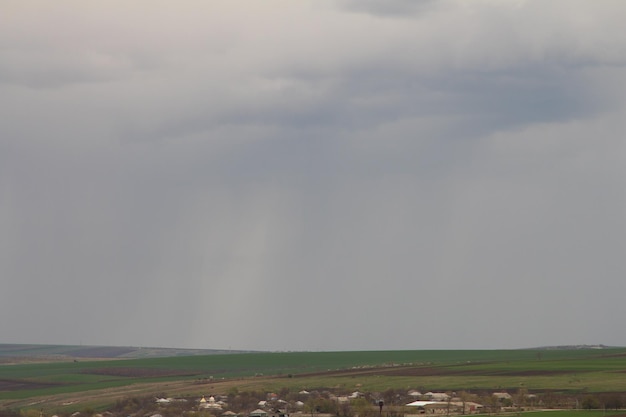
314,174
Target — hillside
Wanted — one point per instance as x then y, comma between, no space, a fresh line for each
558,376
15,353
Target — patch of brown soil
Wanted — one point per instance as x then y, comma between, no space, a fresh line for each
20,384
534,372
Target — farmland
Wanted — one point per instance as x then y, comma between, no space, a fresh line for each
75,383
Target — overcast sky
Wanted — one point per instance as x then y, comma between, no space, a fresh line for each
313,175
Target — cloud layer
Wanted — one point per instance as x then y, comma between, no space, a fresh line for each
313,175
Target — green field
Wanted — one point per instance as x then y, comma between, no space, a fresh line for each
573,413
573,371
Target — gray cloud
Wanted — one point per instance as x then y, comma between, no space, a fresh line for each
306,177
393,8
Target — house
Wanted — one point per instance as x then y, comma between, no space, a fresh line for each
210,404
258,413
414,393
279,413
502,396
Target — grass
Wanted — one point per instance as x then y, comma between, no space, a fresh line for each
573,413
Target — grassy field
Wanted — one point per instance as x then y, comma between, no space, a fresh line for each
572,413
576,371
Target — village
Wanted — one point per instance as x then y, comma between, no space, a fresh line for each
355,404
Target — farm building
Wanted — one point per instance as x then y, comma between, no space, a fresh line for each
428,407
441,407
437,396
